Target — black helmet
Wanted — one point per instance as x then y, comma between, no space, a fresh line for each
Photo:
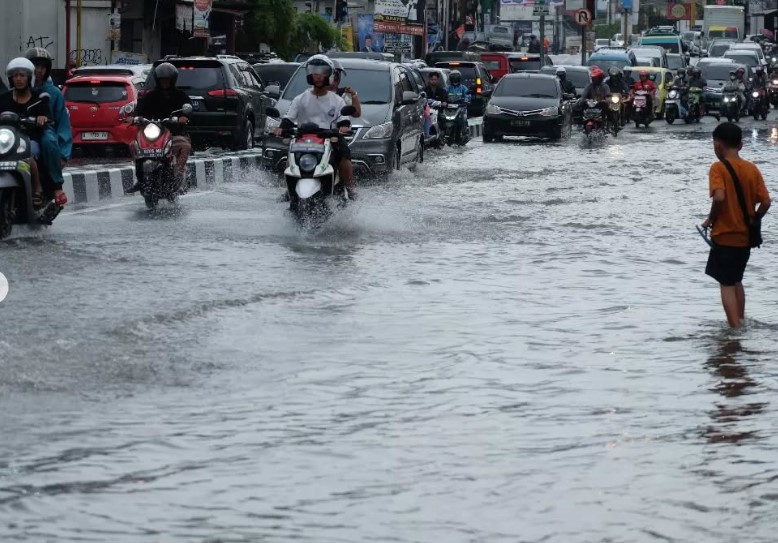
740,71
614,72
455,77
319,64
681,72
696,72
166,71
39,55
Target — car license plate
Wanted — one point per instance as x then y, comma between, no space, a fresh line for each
91,136
520,122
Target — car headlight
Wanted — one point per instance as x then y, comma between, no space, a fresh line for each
380,131
493,110
550,111
271,124
308,162
7,139
152,131
615,99
755,94
673,94
726,99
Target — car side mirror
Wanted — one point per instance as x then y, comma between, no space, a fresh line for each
348,111
273,91
273,112
409,98
187,109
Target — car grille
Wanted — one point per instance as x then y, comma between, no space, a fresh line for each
521,113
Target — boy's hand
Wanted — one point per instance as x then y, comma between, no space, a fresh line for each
706,223
41,120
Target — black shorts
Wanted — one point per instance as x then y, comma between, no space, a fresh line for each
727,264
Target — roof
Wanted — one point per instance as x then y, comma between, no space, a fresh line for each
106,78
529,75
364,64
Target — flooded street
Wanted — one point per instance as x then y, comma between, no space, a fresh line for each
515,343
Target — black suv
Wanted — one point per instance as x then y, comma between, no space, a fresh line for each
227,96
478,81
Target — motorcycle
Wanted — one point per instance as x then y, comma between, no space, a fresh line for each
592,117
730,105
454,127
435,139
616,104
152,150
642,108
694,105
760,105
16,206
310,178
773,92
674,106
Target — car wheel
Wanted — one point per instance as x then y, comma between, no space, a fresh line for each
248,135
487,137
556,133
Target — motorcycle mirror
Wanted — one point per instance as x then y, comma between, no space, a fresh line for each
187,109
348,111
273,112
273,91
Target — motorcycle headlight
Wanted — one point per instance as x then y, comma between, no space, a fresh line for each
673,94
271,124
775,81
152,131
549,112
7,139
755,94
380,131
493,110
615,99
308,163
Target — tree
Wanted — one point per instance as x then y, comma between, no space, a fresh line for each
271,22
312,33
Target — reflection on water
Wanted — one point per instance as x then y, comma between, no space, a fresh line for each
729,366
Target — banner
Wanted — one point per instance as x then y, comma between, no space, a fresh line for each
678,12
200,24
398,11
398,28
123,57
551,3
369,41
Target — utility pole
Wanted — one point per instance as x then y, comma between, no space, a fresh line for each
79,6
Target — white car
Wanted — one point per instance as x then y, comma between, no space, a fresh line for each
599,44
750,46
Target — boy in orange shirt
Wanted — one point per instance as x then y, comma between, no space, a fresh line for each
731,248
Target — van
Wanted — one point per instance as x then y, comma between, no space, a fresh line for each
607,58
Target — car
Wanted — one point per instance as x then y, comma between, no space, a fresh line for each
676,61
717,48
750,46
131,70
618,40
474,37
527,104
653,51
580,76
476,79
444,56
275,74
743,56
716,75
497,64
607,58
648,61
501,38
93,103
669,42
389,133
227,96
600,43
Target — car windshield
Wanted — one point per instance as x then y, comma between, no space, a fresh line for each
717,71
606,65
527,87
92,92
746,58
522,65
579,78
731,34
671,46
718,49
689,36
674,62
202,75
275,74
373,86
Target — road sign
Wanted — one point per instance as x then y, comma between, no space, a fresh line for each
540,10
583,17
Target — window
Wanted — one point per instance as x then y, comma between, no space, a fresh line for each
405,82
97,93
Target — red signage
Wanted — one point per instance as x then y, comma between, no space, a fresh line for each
679,12
398,28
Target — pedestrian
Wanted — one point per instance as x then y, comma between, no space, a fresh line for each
737,189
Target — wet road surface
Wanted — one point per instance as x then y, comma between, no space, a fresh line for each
515,343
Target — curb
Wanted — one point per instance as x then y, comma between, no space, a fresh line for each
92,186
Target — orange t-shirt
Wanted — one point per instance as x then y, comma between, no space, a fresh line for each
730,228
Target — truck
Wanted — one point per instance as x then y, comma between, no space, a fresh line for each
728,22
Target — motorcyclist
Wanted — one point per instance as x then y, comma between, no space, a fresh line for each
696,80
457,93
736,86
160,103
740,73
567,86
23,95
435,93
596,90
616,82
56,142
322,107
348,94
760,81
644,83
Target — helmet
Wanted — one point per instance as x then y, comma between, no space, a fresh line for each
740,72
613,71
696,72
339,71
681,73
597,74
455,77
732,74
40,54
166,71
320,64
644,75
561,73
20,64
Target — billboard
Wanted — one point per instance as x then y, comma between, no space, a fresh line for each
398,11
200,23
368,40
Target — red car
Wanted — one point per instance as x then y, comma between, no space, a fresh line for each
94,102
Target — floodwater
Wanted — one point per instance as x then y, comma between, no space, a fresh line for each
515,343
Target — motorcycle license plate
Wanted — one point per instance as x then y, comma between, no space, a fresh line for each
94,136
640,102
150,153
519,122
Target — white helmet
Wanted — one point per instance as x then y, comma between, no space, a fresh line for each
20,64
319,64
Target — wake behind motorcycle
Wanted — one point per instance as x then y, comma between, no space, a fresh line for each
152,151
454,124
311,180
16,193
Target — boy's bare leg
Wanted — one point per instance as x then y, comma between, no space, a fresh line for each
37,188
729,299
741,301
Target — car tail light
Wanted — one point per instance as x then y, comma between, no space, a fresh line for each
222,93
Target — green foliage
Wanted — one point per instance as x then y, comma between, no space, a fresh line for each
607,31
312,33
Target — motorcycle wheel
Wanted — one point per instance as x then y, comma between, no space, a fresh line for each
670,116
756,115
151,201
6,212
765,113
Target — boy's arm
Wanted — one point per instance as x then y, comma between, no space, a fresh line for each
716,183
763,198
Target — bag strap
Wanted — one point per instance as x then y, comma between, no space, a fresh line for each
739,190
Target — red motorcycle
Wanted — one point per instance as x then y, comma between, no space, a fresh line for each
152,151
